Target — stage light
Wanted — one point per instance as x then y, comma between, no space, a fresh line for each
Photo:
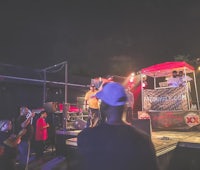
144,77
144,84
132,74
167,78
131,79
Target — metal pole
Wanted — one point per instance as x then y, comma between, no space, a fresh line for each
56,65
66,82
187,90
195,84
154,82
142,93
65,104
44,87
41,81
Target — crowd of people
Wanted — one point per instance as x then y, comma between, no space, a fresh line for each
108,142
92,105
15,143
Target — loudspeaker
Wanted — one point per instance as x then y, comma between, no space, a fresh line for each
80,124
51,107
186,156
58,120
80,102
143,124
60,144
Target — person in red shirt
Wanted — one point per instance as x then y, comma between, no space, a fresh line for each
41,134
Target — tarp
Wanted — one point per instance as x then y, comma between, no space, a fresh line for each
165,69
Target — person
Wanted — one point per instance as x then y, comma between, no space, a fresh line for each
183,79
92,102
173,81
108,79
41,134
115,145
129,105
24,121
8,152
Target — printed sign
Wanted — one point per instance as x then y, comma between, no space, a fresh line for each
165,99
176,120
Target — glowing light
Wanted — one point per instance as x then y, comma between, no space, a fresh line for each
131,79
132,74
144,77
143,84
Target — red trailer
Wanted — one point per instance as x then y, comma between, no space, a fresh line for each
169,107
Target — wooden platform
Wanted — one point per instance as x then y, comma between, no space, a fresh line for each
164,142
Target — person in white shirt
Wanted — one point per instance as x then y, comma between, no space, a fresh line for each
174,80
183,79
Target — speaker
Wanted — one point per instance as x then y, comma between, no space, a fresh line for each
60,144
143,125
80,124
51,107
80,102
58,120
186,156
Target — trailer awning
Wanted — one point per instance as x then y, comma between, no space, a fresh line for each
165,69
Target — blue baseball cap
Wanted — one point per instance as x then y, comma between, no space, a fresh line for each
113,94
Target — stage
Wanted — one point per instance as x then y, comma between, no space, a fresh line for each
165,142
175,150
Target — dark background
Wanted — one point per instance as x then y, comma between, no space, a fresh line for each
96,38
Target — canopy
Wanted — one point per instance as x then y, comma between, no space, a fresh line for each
165,69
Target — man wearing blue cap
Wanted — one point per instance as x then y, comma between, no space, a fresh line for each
115,145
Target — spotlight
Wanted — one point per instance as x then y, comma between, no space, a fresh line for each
144,77
144,84
132,74
131,79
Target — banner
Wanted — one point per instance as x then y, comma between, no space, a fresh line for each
177,120
165,99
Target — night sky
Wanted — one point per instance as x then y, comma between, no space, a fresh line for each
98,37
